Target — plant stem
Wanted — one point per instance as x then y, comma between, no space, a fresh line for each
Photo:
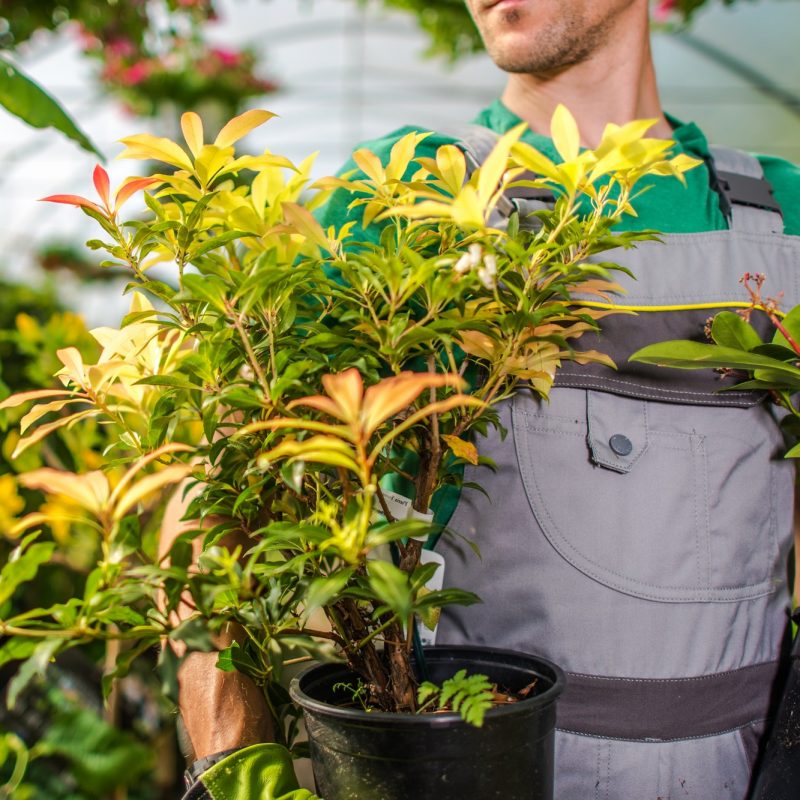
248,346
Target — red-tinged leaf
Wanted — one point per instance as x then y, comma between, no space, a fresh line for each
391,395
100,179
129,188
38,394
439,407
346,389
74,200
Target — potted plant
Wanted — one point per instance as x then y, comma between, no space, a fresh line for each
298,379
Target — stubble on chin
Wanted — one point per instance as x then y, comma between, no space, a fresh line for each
570,41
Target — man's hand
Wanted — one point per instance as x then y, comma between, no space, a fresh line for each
220,710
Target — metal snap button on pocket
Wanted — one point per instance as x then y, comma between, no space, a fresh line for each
620,444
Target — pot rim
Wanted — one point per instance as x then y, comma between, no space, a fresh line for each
309,703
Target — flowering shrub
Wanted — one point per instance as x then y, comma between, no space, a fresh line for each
290,373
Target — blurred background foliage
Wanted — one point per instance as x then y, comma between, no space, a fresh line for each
156,58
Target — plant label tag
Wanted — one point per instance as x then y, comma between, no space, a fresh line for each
400,507
430,621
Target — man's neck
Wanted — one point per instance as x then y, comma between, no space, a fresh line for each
616,84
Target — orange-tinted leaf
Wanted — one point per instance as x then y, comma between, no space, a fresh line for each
390,396
129,188
304,223
101,184
346,389
439,407
42,518
477,344
74,200
462,449
72,360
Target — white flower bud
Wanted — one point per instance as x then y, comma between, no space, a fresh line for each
485,278
463,265
490,264
475,253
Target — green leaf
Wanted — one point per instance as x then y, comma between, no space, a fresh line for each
216,241
16,648
236,659
391,587
168,663
791,322
175,381
25,99
22,566
730,330
195,634
203,288
34,667
323,590
683,354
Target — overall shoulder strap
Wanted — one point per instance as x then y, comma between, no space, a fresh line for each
477,141
745,194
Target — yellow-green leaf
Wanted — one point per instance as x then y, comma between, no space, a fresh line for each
462,449
147,485
143,146
491,171
240,126
565,134
38,411
370,165
90,490
192,127
37,394
452,167
45,430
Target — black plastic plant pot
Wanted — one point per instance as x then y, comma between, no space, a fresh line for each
361,755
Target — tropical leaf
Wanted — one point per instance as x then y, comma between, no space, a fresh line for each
24,98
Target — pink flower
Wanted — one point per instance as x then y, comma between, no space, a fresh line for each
135,74
663,9
122,48
228,58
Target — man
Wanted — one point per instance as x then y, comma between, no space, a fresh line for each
646,522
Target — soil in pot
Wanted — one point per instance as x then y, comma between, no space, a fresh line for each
361,755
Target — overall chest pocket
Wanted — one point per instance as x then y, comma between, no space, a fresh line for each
660,501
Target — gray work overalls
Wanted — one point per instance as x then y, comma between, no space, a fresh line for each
637,528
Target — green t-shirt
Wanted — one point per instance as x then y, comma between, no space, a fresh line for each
669,207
